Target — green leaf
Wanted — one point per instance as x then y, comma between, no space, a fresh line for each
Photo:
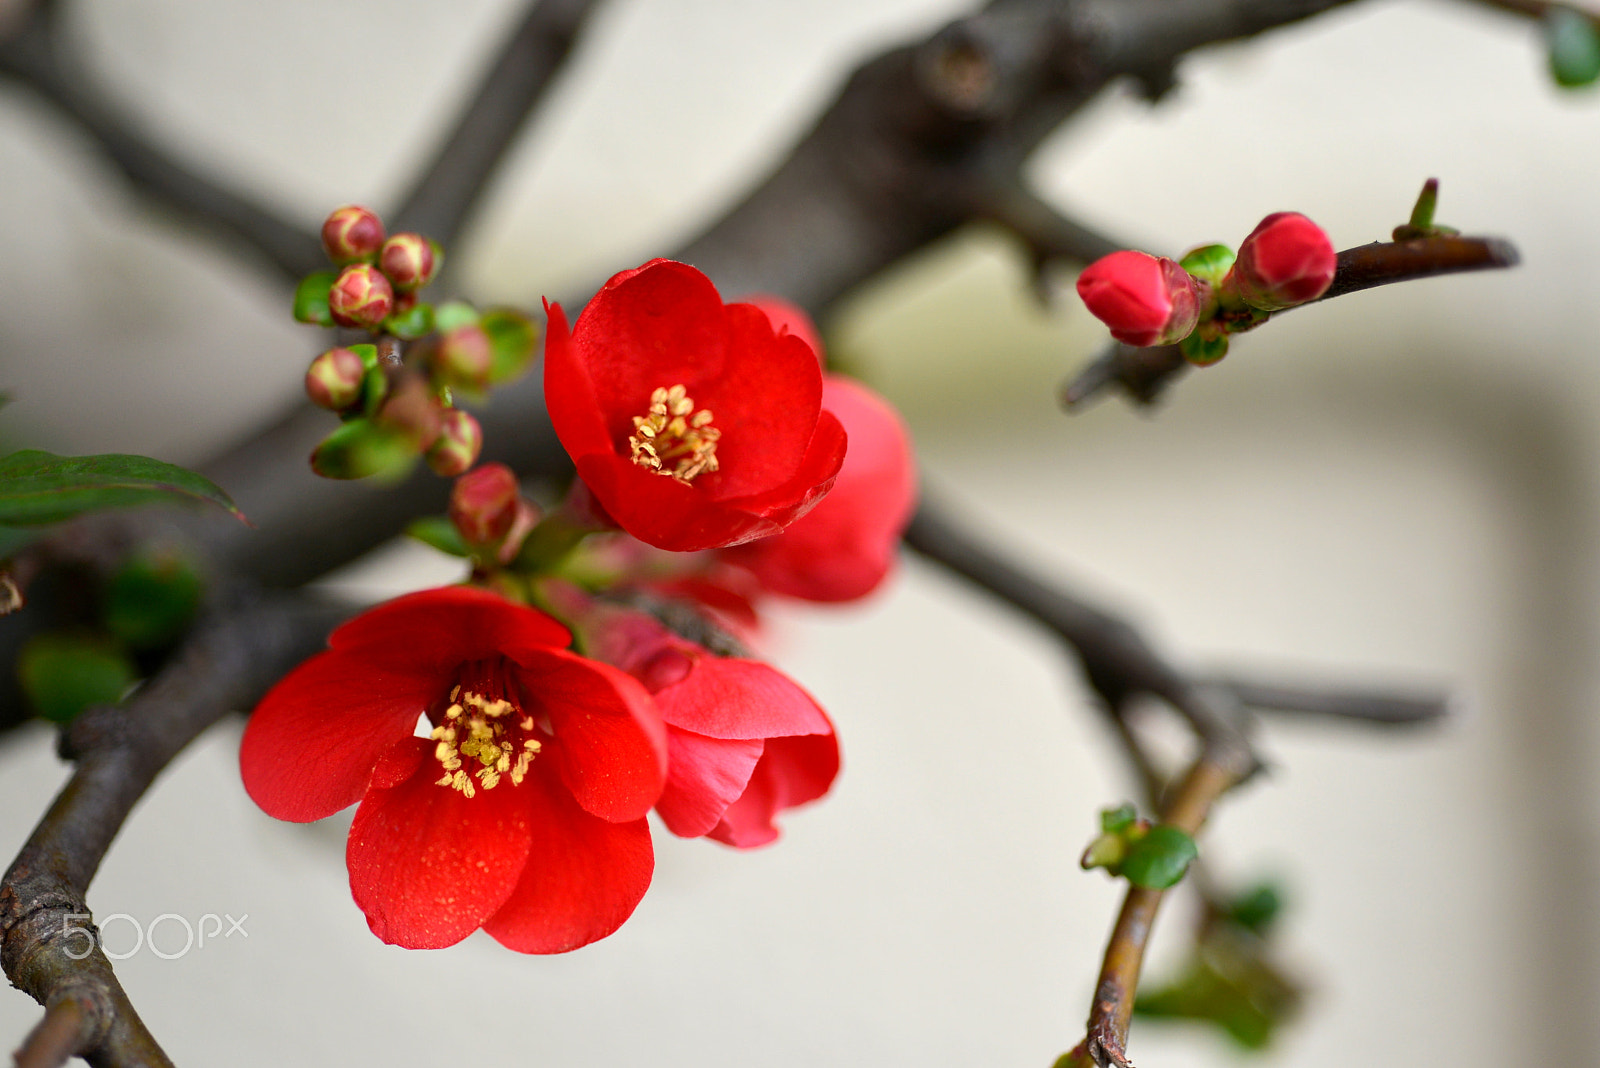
1257,907
1159,859
1114,820
1210,262
63,674
13,539
410,325
1574,46
311,298
151,600
453,313
439,532
361,448
513,340
39,487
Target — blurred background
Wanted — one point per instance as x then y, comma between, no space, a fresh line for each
1397,488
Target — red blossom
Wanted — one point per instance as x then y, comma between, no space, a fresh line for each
1144,299
521,813
1286,260
844,547
744,741
692,423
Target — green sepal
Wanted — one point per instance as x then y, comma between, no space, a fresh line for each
440,533
38,487
408,326
1203,351
63,674
152,599
311,298
1159,858
360,448
453,313
513,340
1574,47
1210,262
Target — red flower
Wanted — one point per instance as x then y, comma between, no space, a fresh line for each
692,423
744,741
1145,300
521,813
844,547
1286,260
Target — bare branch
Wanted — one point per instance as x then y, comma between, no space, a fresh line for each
1378,709
451,182
229,660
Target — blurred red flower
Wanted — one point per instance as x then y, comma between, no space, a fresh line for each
692,422
523,810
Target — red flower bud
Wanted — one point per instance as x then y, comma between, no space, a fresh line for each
334,379
352,234
464,357
1286,260
413,410
460,441
409,260
361,296
1145,300
483,504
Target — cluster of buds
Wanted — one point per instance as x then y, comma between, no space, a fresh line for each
1196,303
397,406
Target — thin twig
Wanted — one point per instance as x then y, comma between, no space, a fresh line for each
1217,771
1367,707
65,1029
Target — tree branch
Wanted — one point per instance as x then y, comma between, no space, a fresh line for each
228,662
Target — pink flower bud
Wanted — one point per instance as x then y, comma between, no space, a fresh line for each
1286,260
464,357
352,234
409,260
1145,300
483,504
460,441
361,296
334,379
412,409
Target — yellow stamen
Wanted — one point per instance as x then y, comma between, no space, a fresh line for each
673,433
476,729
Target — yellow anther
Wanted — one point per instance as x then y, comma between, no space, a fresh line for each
672,438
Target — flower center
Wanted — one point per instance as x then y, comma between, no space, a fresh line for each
674,439
482,735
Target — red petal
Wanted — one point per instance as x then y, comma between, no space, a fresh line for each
569,395
611,747
736,698
792,771
813,478
583,878
436,631
428,865
845,546
786,316
310,747
706,776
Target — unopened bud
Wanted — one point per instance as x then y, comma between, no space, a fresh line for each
460,441
334,379
1286,260
361,296
1145,300
412,409
464,357
352,234
410,261
483,504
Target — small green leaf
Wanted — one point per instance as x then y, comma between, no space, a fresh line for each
361,448
63,674
1159,859
367,351
1114,820
1203,351
453,313
1210,262
439,532
311,298
39,487
151,600
1257,907
1574,46
513,340
410,325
